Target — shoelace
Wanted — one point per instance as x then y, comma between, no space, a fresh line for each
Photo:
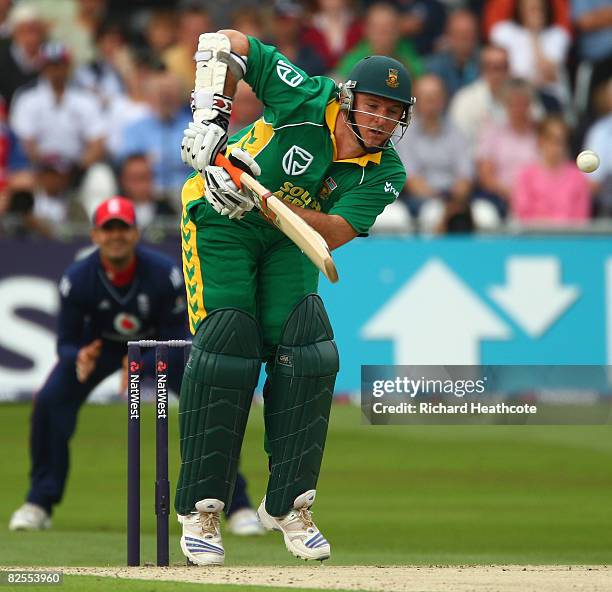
304,515
209,522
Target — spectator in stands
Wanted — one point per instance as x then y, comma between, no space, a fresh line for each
17,158
480,102
551,190
5,26
160,133
457,64
382,37
599,139
123,110
439,169
136,183
496,11
249,21
593,22
20,54
78,31
537,49
286,35
503,149
422,21
54,118
53,205
221,13
17,207
333,29
4,146
160,31
179,58
246,109
103,76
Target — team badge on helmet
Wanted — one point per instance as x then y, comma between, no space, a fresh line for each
381,76
393,78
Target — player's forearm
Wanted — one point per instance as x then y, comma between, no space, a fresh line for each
488,179
418,187
461,189
93,152
240,45
31,149
594,20
334,229
546,70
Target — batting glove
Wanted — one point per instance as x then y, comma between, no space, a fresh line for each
202,142
221,191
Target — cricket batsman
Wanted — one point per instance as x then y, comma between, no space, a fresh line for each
327,151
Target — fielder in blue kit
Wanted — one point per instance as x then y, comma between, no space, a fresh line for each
120,292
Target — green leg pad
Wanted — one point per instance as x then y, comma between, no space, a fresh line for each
297,404
216,393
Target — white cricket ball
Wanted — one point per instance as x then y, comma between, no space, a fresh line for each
587,161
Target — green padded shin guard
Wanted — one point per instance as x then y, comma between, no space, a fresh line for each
297,403
220,376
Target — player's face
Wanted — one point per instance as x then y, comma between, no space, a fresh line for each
116,241
376,118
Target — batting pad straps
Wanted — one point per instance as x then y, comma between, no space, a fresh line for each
204,99
220,376
297,403
237,64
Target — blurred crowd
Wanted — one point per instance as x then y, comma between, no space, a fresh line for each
94,97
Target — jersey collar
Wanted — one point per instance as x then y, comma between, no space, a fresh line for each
119,278
331,114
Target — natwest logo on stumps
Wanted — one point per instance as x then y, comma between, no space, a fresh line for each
162,389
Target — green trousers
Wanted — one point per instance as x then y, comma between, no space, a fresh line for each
245,265
250,266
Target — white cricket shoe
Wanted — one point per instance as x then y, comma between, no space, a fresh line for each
302,538
244,522
201,541
30,517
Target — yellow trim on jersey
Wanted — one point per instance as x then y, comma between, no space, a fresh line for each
194,281
193,190
331,115
256,139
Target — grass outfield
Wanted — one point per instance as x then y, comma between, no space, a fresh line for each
388,495
99,584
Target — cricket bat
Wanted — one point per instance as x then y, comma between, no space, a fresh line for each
309,241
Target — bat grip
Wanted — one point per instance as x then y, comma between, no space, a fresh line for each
234,172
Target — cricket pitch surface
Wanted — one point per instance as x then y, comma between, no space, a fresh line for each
493,578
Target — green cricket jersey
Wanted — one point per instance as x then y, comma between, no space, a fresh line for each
249,264
293,142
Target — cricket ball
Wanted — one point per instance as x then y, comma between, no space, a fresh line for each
587,161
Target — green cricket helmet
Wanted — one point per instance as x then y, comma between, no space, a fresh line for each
381,76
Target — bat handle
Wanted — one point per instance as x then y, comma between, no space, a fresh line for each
234,172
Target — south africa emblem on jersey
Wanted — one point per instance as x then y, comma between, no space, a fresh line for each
296,160
288,74
393,78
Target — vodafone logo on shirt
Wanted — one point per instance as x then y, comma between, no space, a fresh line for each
126,324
